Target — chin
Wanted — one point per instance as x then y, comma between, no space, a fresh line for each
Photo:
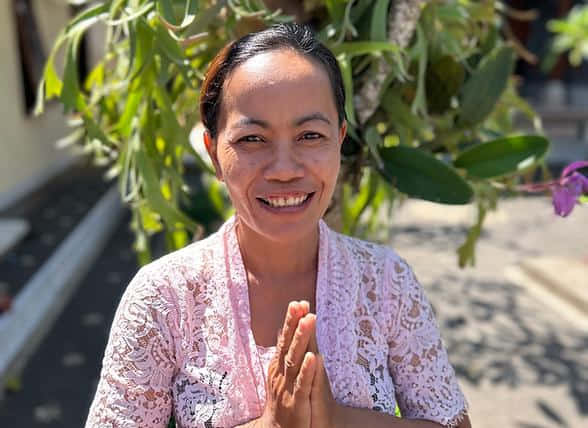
288,232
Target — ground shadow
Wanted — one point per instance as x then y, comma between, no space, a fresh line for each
494,332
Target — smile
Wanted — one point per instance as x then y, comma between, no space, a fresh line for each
286,202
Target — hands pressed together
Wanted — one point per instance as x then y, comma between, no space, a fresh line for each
298,392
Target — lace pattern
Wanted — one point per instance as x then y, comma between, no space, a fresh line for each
181,339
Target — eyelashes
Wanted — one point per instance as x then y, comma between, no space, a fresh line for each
315,135
250,139
258,139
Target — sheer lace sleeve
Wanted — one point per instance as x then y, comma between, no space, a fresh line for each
425,382
134,389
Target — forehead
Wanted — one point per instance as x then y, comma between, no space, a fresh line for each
277,85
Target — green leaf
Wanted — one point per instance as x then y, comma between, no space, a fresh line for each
444,79
168,16
336,9
132,29
363,48
86,19
168,212
379,20
216,197
503,156
354,207
400,114
189,13
169,46
132,16
132,105
53,83
345,67
358,10
166,10
141,45
49,86
483,89
419,104
150,220
179,237
420,175
374,142
71,86
172,128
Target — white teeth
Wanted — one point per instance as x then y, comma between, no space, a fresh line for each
286,202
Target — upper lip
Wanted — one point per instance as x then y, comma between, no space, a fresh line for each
290,194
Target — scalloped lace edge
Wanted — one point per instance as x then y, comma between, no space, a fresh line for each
457,419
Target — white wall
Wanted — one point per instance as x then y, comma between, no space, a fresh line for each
27,144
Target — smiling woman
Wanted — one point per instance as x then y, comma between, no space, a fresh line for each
195,331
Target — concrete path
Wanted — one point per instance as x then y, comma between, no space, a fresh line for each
519,347
12,231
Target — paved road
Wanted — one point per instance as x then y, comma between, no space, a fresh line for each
60,379
522,356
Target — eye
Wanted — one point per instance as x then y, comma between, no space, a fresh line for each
311,136
250,139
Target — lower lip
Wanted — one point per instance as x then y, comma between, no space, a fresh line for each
287,210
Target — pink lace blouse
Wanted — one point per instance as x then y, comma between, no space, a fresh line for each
181,339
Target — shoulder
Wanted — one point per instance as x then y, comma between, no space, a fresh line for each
191,257
364,253
373,266
180,272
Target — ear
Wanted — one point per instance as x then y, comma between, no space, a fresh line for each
342,132
210,144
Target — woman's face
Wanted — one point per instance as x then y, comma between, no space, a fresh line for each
278,143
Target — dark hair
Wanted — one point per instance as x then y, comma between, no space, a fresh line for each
278,36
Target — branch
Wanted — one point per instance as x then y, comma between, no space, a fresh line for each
402,20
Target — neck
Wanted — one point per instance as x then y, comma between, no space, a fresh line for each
264,257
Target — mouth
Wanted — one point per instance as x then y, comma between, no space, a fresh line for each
286,201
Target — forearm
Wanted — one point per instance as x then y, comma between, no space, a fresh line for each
351,417
254,423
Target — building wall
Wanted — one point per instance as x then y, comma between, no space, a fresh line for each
28,155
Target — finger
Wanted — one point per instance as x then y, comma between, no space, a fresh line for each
305,306
312,343
293,314
319,374
299,346
304,380
320,384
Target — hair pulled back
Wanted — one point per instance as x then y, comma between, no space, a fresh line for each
279,36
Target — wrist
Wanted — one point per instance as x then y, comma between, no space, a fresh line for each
341,416
255,423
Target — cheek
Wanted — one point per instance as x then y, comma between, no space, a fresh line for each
326,165
237,173
229,163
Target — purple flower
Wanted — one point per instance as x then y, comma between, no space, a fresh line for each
566,190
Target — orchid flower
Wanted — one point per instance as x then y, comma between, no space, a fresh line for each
566,190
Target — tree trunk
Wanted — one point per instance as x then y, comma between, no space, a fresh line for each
402,20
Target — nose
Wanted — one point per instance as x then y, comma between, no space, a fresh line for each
284,165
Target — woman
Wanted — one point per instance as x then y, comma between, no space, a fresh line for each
195,331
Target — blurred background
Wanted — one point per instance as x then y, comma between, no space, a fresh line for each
515,323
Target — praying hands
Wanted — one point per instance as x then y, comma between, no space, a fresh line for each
298,391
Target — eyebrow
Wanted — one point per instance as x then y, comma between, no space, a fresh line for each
246,121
